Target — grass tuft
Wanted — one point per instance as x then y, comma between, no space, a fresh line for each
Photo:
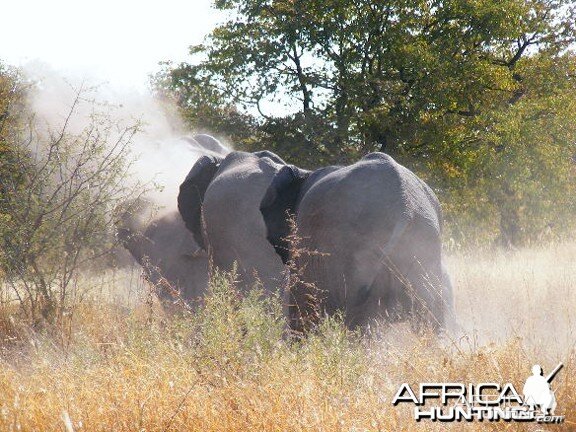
230,367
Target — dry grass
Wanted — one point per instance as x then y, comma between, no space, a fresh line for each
228,369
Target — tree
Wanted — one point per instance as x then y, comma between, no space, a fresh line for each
60,212
12,92
427,81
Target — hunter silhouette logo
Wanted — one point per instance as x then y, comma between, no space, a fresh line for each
537,390
484,401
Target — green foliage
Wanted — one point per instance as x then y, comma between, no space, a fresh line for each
11,99
232,326
510,171
58,217
473,95
12,92
204,109
335,352
239,333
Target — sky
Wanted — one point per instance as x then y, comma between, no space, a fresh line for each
117,41
112,46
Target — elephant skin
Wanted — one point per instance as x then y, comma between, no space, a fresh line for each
373,233
220,201
166,251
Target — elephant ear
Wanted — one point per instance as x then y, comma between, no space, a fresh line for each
210,143
279,203
130,225
270,155
192,193
133,242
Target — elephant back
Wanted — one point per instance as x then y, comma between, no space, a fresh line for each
235,228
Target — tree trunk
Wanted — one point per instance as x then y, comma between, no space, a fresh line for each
510,229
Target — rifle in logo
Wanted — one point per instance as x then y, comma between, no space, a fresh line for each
552,374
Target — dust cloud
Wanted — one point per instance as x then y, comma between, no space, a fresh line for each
163,151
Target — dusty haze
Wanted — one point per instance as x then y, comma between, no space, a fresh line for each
162,155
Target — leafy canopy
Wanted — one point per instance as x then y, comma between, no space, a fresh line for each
473,94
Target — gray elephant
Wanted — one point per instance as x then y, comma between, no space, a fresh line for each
164,247
166,251
371,235
220,204
207,145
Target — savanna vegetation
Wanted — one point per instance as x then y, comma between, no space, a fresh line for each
128,367
60,192
477,97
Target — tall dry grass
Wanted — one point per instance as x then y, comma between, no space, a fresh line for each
227,367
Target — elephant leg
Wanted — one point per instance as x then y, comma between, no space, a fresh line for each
371,288
425,291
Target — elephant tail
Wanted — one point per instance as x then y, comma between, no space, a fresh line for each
381,265
397,233
395,237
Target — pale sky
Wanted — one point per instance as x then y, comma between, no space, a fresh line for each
119,41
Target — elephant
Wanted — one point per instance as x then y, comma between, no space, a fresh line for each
164,247
206,144
167,252
220,204
369,242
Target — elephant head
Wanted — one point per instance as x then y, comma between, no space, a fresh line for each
130,227
166,251
192,192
